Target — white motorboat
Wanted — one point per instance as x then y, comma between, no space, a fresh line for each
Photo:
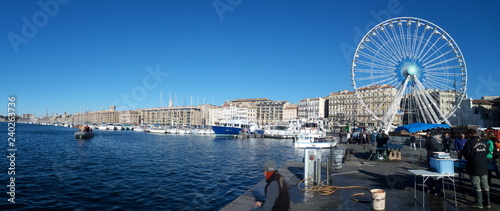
282,131
157,129
141,128
313,134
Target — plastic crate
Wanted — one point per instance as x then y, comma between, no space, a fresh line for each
443,166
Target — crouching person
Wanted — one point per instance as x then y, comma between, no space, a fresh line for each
276,190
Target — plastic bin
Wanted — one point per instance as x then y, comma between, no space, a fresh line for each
443,166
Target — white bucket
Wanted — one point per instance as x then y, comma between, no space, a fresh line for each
378,196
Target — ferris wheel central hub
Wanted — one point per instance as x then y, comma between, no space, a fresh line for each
412,70
408,67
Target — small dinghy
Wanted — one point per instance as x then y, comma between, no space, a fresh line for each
83,135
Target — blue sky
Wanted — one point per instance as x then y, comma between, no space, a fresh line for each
72,56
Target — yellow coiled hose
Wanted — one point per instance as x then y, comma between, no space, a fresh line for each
328,190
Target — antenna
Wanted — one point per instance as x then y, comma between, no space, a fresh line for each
161,98
169,100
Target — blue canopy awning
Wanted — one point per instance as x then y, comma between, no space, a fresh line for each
411,128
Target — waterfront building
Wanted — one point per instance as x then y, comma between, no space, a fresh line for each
27,118
342,109
172,116
378,99
290,114
215,115
252,113
270,112
245,102
490,97
129,117
313,108
485,113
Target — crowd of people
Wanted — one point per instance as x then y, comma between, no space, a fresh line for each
361,137
480,152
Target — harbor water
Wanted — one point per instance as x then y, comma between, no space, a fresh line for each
127,170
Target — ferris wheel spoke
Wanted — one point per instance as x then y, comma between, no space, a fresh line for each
421,46
390,43
389,81
426,45
424,60
391,59
443,82
434,70
431,84
382,44
429,49
402,38
377,77
371,64
374,58
432,102
372,71
442,62
414,43
438,86
397,41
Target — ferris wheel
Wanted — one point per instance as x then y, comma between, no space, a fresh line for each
409,70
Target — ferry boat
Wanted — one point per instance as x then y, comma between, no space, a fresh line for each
236,126
313,134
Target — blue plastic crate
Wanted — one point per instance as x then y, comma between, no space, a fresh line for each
443,166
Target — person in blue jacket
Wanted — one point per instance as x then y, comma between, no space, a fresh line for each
459,145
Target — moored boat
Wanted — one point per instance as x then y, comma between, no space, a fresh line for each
313,134
236,126
83,135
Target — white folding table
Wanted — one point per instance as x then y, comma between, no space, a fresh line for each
425,176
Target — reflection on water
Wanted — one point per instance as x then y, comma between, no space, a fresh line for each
135,170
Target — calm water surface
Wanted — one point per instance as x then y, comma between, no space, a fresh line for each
129,170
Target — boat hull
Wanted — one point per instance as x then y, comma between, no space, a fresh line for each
83,135
226,131
304,144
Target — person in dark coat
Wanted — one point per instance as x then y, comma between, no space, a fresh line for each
276,190
382,139
433,144
447,143
475,152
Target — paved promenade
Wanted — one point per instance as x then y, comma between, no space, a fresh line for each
391,176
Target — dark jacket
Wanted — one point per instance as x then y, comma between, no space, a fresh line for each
475,152
446,141
382,139
433,145
277,195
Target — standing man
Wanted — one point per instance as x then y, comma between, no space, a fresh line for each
276,190
433,144
382,139
413,140
446,143
475,151
459,145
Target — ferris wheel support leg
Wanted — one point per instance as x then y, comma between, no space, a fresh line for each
394,107
439,117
